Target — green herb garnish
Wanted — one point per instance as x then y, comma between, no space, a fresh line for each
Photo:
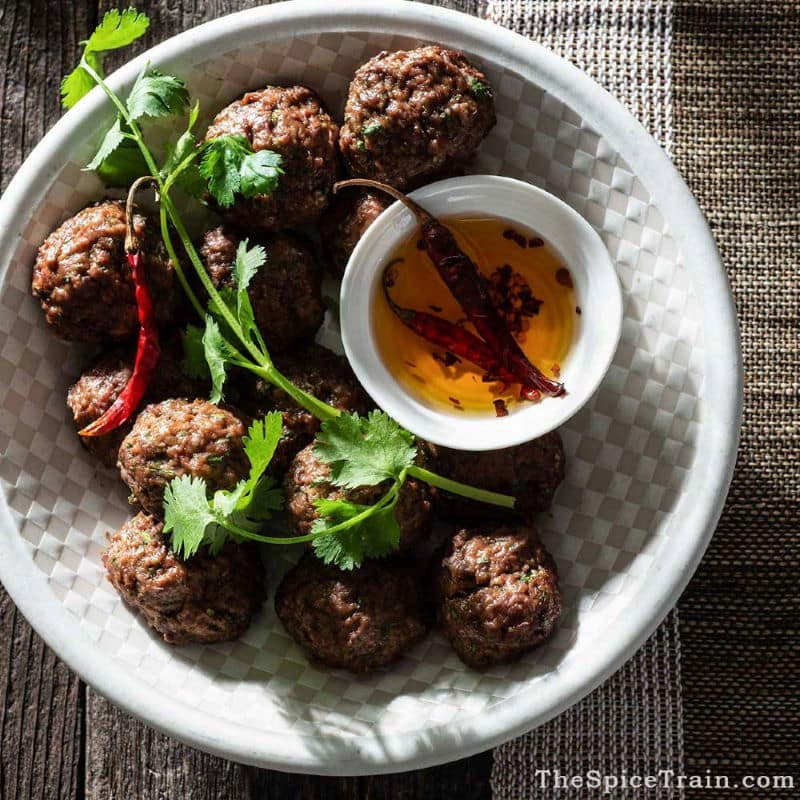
479,88
195,520
231,167
371,128
360,451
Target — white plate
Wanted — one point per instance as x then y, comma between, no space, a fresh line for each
650,458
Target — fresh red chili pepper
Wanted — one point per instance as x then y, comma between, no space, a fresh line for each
468,286
445,334
147,347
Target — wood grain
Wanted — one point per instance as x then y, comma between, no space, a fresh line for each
41,701
59,739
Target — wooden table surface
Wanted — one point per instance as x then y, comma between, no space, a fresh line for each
58,738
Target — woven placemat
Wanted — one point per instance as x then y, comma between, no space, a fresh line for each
736,89
717,83
632,724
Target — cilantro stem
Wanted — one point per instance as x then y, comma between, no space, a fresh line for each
173,257
462,489
258,537
313,405
173,176
389,500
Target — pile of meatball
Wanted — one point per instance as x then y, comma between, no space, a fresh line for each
491,587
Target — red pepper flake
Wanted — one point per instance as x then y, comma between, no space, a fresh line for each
436,309
556,370
517,238
458,408
512,297
578,310
536,242
418,377
563,277
454,400
411,364
446,359
500,408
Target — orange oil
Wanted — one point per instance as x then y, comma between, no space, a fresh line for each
490,244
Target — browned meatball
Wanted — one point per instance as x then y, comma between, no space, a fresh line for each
531,472
181,437
286,292
82,279
315,370
100,384
497,594
308,480
346,221
293,122
411,115
357,620
202,599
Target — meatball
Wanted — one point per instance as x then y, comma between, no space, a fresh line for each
82,279
411,115
286,292
308,480
357,620
318,371
347,220
202,599
496,594
100,385
181,437
290,121
531,472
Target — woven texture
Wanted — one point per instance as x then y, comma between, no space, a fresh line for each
737,117
634,722
631,453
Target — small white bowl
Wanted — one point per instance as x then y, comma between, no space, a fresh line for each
597,292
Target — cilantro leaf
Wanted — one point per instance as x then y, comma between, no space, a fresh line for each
187,514
220,164
218,353
123,165
259,173
157,95
116,29
364,451
248,261
111,141
231,167
194,364
375,536
76,85
260,443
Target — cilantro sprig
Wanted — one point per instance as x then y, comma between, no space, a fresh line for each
231,167
195,520
370,451
361,451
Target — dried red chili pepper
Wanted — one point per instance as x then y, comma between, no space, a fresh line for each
147,347
468,286
445,334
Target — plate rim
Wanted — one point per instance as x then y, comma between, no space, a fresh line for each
280,749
